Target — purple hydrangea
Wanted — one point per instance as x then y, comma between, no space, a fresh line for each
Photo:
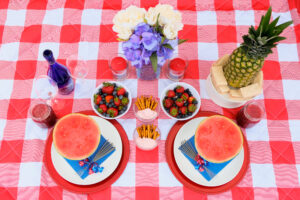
143,43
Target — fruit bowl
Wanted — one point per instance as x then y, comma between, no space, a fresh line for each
187,87
139,114
114,106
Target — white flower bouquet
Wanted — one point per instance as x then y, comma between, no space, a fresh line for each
148,37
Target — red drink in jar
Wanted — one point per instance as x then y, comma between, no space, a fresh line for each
176,69
250,114
43,114
118,66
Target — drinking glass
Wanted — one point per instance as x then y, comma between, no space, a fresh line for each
45,88
79,71
119,67
250,114
176,68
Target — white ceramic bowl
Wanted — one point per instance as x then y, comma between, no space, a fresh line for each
135,109
118,84
140,146
222,100
186,86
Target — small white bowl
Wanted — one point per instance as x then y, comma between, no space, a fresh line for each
136,135
222,100
157,109
185,86
118,84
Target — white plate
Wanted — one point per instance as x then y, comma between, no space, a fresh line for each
110,164
224,176
186,86
222,100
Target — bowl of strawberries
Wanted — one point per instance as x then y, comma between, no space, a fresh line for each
180,101
111,100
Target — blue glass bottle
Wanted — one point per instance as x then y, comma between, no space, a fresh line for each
59,74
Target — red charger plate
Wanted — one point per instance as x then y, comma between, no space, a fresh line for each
186,181
97,186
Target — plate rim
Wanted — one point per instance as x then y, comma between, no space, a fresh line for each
186,181
86,189
84,180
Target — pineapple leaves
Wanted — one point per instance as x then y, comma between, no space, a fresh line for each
281,27
270,28
259,43
276,39
266,19
259,30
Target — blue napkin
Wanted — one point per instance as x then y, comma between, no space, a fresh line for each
78,169
215,168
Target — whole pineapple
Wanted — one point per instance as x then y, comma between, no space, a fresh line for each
247,60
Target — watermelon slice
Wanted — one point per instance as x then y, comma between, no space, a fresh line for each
218,139
76,136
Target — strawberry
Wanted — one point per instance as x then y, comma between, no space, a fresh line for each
107,88
174,111
108,98
120,91
185,96
102,108
168,103
125,101
113,112
179,89
97,98
192,107
171,94
117,101
191,99
179,102
183,110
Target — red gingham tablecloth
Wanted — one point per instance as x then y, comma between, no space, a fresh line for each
213,28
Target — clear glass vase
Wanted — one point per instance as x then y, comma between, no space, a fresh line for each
147,73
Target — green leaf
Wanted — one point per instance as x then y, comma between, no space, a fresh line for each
153,59
252,31
259,29
157,24
168,46
270,29
283,26
267,18
145,20
162,39
180,41
276,39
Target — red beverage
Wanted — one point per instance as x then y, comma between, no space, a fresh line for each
176,69
177,64
249,115
43,114
118,64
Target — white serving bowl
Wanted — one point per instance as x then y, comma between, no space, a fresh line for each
118,84
222,100
185,86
